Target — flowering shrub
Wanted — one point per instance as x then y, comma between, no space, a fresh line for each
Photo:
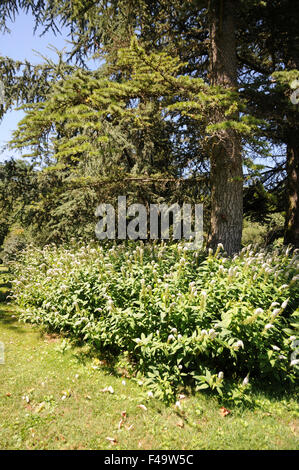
182,317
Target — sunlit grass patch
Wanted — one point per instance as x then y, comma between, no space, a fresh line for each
52,399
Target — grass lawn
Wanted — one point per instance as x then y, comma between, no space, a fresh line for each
51,397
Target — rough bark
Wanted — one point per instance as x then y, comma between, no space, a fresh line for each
292,164
292,210
226,159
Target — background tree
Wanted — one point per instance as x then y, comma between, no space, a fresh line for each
268,49
106,132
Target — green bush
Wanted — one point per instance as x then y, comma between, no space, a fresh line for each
4,227
182,317
268,232
253,233
14,242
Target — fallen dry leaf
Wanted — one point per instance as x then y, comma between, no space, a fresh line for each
66,394
180,423
112,440
40,407
143,407
294,428
107,389
123,419
224,411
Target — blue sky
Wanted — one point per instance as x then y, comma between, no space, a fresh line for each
19,45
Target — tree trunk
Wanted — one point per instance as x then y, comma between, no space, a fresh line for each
226,159
292,211
292,165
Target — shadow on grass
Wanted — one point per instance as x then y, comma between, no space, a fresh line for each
260,395
10,318
106,360
275,391
4,292
7,315
115,363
